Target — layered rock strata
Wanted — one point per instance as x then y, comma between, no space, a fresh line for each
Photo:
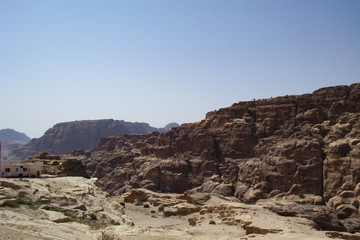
291,145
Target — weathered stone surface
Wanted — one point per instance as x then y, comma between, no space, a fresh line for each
57,217
224,189
291,145
260,230
197,198
181,209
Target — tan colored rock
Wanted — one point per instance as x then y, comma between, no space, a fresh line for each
181,209
283,146
224,190
57,217
259,230
197,198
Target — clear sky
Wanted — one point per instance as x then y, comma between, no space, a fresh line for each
159,61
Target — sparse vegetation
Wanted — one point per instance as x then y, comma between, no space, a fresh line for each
146,205
11,203
55,209
15,203
92,220
192,221
138,203
92,216
212,222
161,208
244,226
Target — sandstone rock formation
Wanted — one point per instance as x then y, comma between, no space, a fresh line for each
291,145
73,208
68,136
55,208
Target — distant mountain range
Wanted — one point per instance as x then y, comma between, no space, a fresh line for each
65,137
13,136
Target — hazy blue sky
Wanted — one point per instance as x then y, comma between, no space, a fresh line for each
166,60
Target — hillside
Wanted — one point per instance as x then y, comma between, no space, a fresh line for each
68,136
11,135
268,148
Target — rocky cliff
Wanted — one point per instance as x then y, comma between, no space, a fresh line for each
291,145
66,137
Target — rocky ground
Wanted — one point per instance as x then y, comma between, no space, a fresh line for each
74,208
294,160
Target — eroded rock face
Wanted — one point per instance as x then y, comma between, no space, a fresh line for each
292,145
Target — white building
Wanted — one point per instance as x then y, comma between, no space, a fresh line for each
20,170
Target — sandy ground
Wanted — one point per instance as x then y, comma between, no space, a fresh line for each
178,226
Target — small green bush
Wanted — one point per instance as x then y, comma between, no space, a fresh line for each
146,205
212,222
12,204
245,225
32,205
192,221
138,202
19,201
92,216
54,209
161,208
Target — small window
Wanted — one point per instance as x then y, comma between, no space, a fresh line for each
24,169
17,169
7,169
